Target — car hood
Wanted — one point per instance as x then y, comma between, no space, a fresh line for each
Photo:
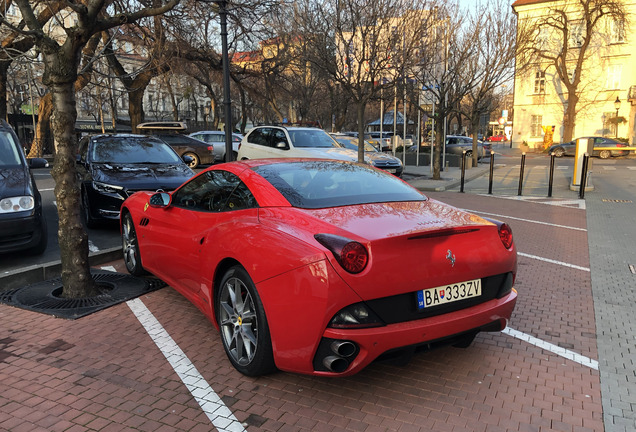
15,181
327,153
377,157
141,176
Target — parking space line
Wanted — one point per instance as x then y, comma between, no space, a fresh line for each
551,261
527,220
218,413
555,349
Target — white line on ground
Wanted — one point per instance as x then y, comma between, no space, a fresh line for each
92,247
218,413
555,349
551,261
528,220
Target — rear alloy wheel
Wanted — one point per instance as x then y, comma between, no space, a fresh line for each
243,324
195,159
604,154
130,247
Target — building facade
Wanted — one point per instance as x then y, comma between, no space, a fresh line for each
556,30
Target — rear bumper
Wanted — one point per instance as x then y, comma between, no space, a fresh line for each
374,342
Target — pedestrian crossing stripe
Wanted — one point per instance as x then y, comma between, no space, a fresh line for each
559,202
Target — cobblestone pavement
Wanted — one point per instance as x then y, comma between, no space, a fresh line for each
156,364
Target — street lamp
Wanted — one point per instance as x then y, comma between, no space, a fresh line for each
617,105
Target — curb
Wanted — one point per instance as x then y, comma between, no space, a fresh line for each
51,270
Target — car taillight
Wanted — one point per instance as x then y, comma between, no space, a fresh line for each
351,255
621,145
211,148
505,234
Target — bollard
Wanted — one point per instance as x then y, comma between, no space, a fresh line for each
523,164
552,157
492,170
586,158
461,189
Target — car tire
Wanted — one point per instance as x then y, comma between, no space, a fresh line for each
130,246
195,159
243,324
559,152
89,220
605,154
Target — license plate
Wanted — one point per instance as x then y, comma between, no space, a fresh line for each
444,294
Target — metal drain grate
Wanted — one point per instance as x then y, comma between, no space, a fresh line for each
45,297
617,201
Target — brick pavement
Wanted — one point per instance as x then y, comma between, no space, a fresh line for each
103,372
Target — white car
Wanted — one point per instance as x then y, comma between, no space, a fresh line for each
265,142
217,139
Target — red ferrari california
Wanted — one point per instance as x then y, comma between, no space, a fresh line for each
321,267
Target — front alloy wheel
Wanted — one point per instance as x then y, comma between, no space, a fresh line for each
243,324
130,247
605,154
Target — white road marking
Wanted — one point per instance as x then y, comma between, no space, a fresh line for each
109,268
551,261
92,247
527,220
555,349
46,190
218,413
609,168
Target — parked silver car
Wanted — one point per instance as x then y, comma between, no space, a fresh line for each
217,139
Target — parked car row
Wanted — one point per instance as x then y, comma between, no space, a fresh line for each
569,148
457,144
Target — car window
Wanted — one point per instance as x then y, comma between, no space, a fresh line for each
260,136
320,184
179,140
311,138
214,191
9,150
131,149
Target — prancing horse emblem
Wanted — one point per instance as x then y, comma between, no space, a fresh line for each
450,257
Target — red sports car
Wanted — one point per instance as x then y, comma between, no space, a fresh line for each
321,267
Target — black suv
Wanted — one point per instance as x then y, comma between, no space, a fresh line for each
22,223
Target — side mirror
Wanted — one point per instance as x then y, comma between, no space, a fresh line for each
160,199
38,163
281,145
187,159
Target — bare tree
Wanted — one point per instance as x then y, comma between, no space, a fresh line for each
566,38
61,54
444,71
492,63
363,46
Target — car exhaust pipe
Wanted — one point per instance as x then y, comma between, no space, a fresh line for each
335,364
343,348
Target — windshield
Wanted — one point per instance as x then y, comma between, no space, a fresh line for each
132,149
320,184
9,150
311,138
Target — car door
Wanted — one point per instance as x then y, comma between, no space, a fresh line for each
199,219
267,142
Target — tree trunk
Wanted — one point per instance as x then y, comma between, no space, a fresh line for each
361,107
136,108
569,118
76,277
4,67
42,128
436,151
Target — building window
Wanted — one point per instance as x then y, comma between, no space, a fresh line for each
577,35
535,126
614,77
539,82
617,31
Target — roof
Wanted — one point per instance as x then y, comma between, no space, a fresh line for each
529,2
388,119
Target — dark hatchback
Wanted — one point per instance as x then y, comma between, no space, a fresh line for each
112,167
22,223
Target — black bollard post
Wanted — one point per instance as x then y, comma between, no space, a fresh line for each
523,164
461,189
492,170
586,158
552,157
